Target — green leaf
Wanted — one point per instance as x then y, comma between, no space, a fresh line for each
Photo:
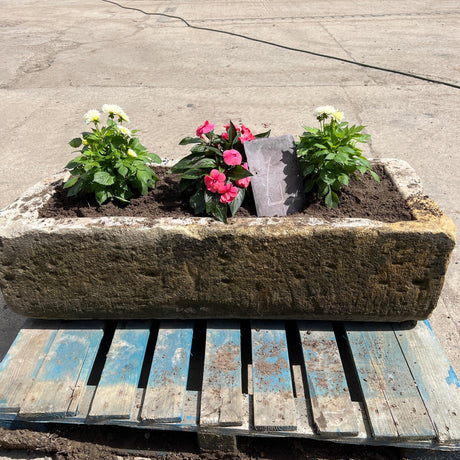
238,172
193,174
232,133
332,200
186,162
154,158
184,184
76,189
308,185
76,142
262,135
72,181
123,170
103,178
205,163
375,176
238,201
101,196
191,140
220,212
197,202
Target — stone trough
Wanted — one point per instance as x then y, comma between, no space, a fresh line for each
290,267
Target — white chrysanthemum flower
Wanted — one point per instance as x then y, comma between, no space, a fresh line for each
125,131
91,116
337,116
131,153
324,111
113,109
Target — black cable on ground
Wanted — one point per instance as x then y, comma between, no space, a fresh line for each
289,48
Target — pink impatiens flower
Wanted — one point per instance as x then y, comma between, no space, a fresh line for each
225,134
246,134
215,182
244,183
228,192
232,157
206,127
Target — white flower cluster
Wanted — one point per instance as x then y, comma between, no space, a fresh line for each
92,116
115,110
125,131
326,111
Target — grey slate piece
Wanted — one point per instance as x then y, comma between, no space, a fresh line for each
276,181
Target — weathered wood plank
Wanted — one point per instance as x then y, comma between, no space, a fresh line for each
332,407
22,362
221,395
438,385
392,376
274,407
378,410
55,387
165,393
116,390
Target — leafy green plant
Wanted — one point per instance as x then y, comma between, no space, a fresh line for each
113,164
328,156
215,173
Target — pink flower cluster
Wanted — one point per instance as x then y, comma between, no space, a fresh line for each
205,128
216,181
246,134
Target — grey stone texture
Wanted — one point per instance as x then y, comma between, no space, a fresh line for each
287,267
276,182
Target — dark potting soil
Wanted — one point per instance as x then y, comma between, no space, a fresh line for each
364,198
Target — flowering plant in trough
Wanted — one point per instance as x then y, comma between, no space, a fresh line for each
113,163
215,173
328,156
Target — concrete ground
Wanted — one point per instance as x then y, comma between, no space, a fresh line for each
61,59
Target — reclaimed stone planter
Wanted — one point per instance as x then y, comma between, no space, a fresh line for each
293,267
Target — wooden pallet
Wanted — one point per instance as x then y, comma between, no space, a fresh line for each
375,384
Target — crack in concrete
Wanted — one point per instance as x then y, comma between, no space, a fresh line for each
44,55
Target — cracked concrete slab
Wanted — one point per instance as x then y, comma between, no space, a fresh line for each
61,59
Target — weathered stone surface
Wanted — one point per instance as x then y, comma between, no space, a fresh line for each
288,267
276,181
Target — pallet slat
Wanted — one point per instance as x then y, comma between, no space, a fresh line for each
333,411
384,374
221,396
116,390
22,362
57,385
436,380
274,407
165,393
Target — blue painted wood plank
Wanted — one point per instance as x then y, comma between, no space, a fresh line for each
23,360
221,396
436,380
388,376
333,411
274,407
116,390
55,387
165,393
